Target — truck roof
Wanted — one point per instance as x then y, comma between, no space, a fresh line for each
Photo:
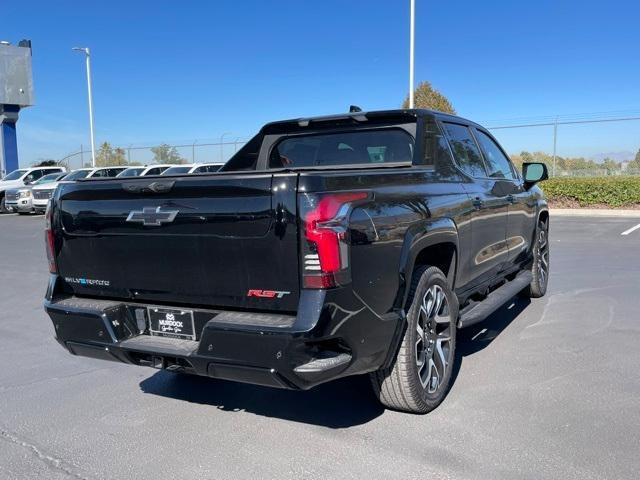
396,115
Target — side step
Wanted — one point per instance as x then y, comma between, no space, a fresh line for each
494,300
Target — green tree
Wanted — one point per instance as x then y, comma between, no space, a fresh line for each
108,156
635,163
166,154
46,163
610,165
425,96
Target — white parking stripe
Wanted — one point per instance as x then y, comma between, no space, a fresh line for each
632,229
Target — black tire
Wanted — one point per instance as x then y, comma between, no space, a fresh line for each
3,209
540,266
404,386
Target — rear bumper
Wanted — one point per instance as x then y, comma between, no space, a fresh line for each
265,349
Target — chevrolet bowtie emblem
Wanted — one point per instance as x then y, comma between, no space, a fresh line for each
152,216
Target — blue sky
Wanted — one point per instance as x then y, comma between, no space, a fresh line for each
167,71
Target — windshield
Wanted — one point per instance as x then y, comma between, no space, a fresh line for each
15,175
77,175
131,172
175,170
52,177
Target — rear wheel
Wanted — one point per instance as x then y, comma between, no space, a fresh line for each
540,267
420,377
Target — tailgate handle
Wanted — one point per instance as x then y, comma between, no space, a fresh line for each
149,187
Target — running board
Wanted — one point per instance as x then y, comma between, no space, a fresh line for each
481,310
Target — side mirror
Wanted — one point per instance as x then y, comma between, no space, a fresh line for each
534,172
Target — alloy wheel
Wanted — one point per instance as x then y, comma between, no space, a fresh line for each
543,255
433,339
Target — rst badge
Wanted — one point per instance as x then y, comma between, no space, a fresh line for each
267,293
152,216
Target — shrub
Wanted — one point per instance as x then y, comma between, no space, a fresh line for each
609,191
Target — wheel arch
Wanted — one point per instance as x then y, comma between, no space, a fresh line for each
433,243
543,214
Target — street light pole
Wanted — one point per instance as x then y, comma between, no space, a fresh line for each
411,51
87,54
555,143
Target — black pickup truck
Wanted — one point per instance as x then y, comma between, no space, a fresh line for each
329,246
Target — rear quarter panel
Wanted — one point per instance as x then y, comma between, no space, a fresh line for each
407,206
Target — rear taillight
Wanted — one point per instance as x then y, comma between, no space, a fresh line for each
49,240
325,252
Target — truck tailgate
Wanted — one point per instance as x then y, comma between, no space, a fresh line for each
218,240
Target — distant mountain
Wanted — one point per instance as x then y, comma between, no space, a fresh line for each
617,156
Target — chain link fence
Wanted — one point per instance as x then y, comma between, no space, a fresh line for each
144,155
584,145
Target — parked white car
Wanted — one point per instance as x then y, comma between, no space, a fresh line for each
89,172
42,191
22,177
193,168
143,170
21,199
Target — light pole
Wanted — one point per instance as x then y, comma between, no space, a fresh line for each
222,144
411,50
87,54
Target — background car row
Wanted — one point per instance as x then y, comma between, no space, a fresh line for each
28,190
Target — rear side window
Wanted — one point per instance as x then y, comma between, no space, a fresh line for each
207,169
436,148
465,150
112,172
345,148
498,164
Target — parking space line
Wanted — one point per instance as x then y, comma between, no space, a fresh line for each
632,229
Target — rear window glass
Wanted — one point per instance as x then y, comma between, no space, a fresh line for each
346,148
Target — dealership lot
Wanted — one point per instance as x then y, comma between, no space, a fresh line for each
545,389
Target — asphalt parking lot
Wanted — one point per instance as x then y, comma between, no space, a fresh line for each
547,389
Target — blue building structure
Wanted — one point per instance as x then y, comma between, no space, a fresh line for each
16,92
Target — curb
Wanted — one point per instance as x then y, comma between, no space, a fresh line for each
594,212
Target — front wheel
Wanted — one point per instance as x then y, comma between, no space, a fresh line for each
3,208
540,266
421,375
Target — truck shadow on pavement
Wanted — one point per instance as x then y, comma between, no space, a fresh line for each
343,403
